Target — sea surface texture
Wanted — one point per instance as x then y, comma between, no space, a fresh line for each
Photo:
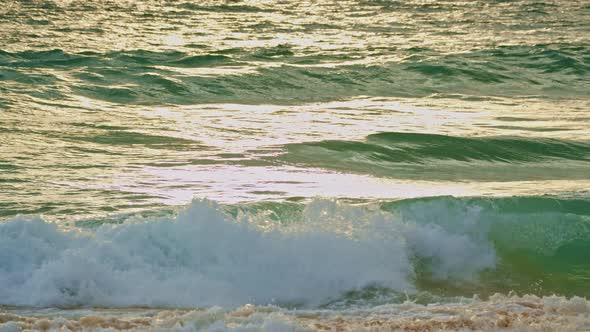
412,165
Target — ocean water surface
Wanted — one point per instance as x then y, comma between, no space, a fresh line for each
294,165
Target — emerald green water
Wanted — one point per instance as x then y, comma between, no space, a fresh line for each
424,147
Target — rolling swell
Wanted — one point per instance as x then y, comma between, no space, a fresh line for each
285,74
391,154
301,253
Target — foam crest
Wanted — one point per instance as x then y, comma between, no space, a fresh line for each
204,257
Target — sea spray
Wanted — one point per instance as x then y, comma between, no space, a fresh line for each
204,257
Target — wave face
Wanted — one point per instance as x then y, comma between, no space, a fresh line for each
321,253
439,156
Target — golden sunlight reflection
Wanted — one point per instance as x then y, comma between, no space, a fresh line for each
173,40
238,128
234,184
169,153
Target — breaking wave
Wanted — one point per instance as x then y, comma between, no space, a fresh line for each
294,254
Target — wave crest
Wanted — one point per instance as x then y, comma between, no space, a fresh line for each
294,254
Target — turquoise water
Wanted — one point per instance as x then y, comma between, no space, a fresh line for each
349,153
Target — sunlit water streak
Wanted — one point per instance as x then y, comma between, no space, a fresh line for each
441,128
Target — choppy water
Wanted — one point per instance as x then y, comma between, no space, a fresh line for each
353,155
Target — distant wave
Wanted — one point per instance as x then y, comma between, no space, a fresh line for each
282,75
398,154
298,254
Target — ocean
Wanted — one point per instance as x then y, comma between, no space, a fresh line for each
312,165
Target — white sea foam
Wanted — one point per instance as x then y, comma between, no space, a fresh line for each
499,313
203,257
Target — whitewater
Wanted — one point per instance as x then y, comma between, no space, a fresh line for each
324,165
